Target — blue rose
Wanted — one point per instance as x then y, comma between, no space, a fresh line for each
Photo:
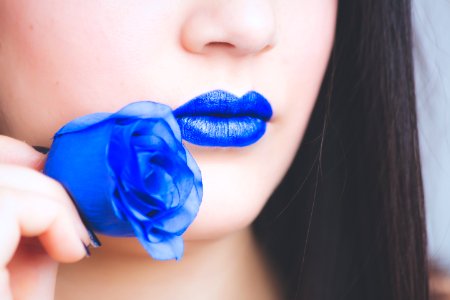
130,175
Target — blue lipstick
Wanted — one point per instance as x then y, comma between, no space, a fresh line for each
220,119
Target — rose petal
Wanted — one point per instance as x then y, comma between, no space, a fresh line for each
83,122
170,248
177,221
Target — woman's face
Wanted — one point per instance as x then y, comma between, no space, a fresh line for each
63,59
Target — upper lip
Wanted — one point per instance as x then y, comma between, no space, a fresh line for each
220,103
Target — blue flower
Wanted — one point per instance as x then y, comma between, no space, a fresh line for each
130,175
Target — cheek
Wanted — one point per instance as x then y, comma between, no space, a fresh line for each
40,64
68,60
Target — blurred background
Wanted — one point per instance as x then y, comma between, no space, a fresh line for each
432,54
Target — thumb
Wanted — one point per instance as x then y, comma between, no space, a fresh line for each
16,152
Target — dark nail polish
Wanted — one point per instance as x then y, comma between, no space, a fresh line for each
43,150
86,248
94,239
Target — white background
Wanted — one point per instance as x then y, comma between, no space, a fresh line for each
432,55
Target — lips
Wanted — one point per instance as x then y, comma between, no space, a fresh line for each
220,119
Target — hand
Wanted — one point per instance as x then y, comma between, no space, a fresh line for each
39,225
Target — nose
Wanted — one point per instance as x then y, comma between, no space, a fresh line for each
238,27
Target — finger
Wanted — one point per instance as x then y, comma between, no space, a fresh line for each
5,290
25,179
16,152
32,271
42,218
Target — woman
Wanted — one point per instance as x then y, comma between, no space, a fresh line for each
345,223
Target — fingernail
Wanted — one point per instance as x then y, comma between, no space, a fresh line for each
42,149
86,248
95,242
94,239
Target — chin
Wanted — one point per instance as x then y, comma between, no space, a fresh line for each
225,214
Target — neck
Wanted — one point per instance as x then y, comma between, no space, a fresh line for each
226,268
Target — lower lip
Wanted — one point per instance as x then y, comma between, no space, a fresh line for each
216,131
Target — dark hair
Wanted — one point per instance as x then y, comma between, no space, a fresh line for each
347,222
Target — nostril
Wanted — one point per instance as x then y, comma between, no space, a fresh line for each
234,27
219,45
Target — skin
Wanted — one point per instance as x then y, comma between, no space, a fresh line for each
60,60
